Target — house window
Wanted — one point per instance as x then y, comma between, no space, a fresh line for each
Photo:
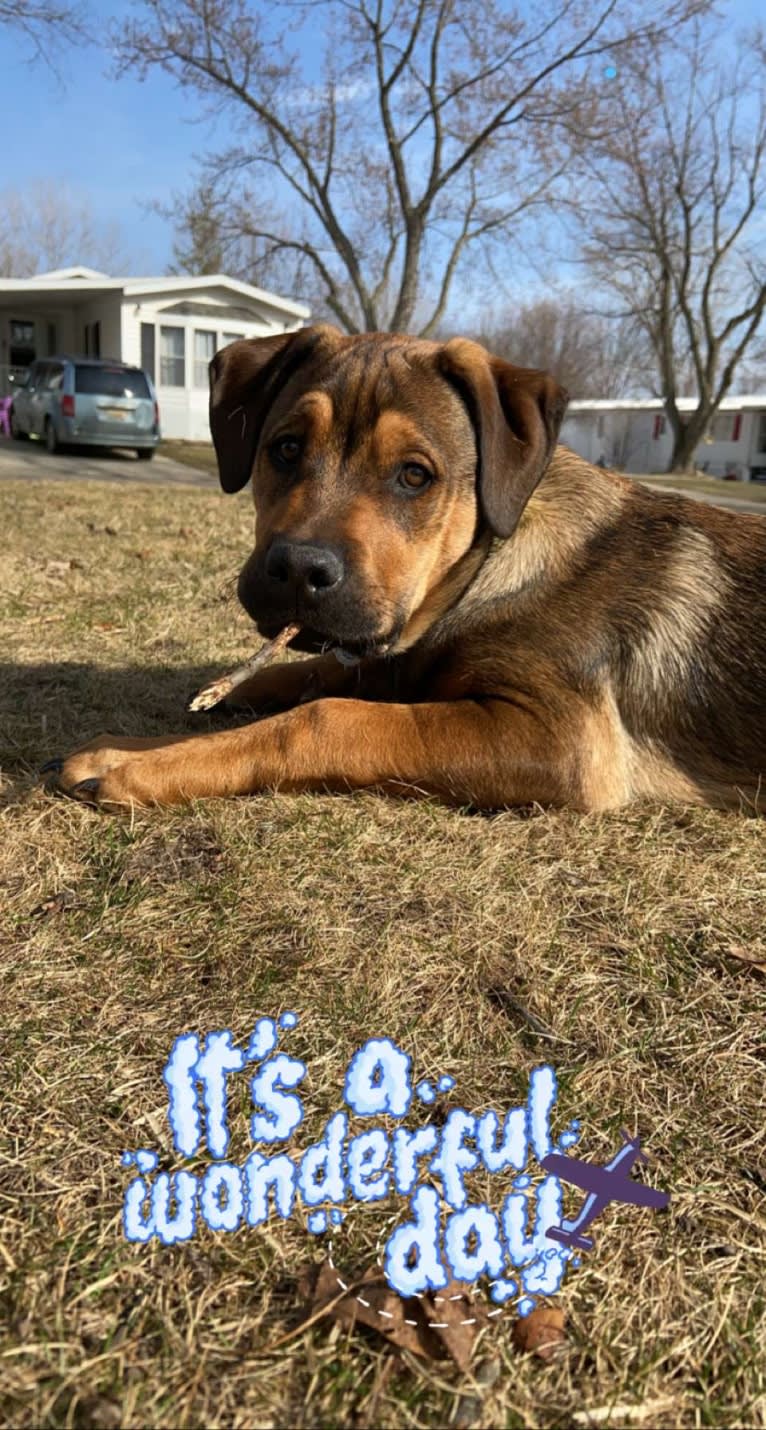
204,352
725,427
172,363
147,350
51,337
762,433
227,338
22,345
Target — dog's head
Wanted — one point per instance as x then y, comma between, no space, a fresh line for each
377,463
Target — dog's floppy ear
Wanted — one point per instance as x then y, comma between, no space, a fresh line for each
517,413
245,378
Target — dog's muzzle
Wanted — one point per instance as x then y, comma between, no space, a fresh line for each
314,586
307,573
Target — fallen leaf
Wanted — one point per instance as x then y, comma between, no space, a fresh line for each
456,1319
55,904
60,568
747,953
371,1302
436,1326
541,1333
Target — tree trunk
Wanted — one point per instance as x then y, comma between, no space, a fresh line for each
407,297
686,439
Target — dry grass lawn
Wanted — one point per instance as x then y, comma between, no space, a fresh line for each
610,946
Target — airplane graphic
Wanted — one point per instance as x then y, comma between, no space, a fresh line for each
604,1184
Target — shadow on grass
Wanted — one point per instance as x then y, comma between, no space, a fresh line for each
49,708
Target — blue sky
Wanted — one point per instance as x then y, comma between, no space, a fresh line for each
119,143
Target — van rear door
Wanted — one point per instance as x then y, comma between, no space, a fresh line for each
113,403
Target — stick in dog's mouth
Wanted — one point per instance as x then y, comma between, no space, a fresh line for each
217,690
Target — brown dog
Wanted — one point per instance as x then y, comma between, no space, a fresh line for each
527,627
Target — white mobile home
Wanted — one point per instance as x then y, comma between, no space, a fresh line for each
635,436
169,326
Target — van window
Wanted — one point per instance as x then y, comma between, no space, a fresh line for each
111,381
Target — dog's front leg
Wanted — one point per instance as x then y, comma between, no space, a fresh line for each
279,687
484,753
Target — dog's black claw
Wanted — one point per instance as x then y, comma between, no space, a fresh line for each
52,767
85,788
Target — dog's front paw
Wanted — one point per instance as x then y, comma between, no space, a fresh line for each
116,770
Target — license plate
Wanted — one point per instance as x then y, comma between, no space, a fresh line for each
117,413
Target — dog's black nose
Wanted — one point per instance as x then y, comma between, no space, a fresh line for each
310,571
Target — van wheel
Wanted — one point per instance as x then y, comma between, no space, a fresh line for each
51,440
16,430
144,454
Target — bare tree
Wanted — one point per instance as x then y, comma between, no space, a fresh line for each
42,22
45,226
592,356
436,126
674,217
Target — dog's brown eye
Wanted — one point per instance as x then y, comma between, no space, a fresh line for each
414,478
286,451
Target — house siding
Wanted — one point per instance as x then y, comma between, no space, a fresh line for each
106,312
184,410
61,306
639,440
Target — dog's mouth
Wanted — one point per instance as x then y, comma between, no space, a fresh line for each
348,650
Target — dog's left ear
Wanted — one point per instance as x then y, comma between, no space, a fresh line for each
517,413
245,378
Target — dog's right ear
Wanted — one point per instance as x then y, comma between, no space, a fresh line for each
245,378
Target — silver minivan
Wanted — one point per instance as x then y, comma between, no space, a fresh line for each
91,401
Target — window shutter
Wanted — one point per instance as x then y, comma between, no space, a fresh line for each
147,350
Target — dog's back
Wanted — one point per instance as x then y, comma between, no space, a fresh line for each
648,606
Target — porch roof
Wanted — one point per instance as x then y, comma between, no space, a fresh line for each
50,294
746,402
72,286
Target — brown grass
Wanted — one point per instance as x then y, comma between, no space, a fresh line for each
199,455
605,945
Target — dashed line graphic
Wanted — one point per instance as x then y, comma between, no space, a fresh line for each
418,1295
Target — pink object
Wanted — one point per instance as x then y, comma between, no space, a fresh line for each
5,415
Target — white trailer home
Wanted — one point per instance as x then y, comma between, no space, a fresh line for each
635,436
171,327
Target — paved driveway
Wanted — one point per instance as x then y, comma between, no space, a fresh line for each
758,508
30,461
